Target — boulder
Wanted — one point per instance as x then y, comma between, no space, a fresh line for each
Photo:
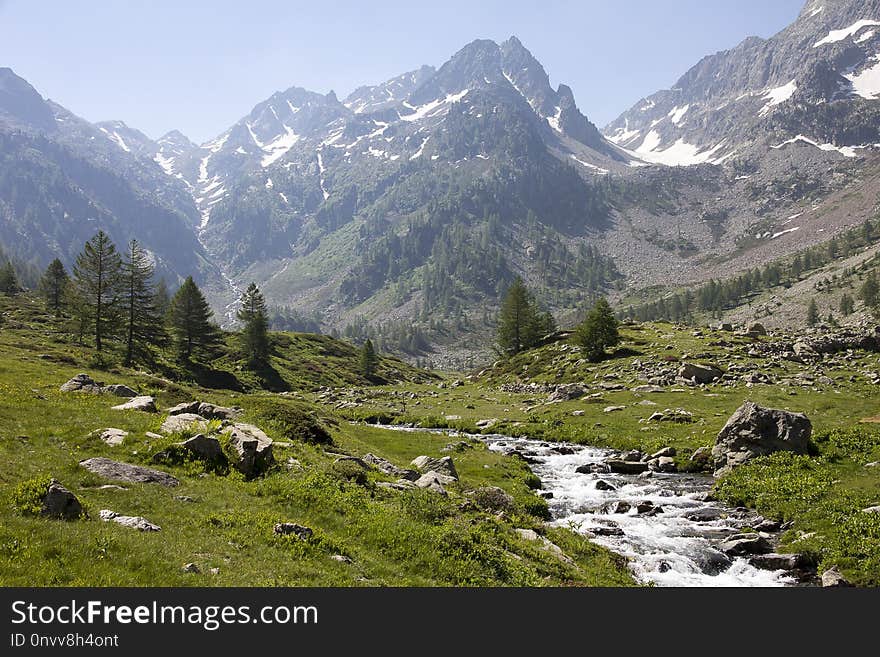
431,481
492,498
389,468
754,431
442,465
58,502
204,447
665,464
702,457
213,412
134,522
133,474
740,545
184,422
773,561
617,508
604,485
144,403
119,390
186,407
626,467
567,392
593,468
699,374
613,409
756,329
82,383
871,509
832,578
677,415
606,531
291,528
487,424
111,436
632,455
647,507
666,451
253,448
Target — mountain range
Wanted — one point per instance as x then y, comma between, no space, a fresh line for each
410,205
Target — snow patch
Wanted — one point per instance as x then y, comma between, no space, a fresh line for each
276,148
554,120
269,183
593,167
839,35
867,83
167,163
778,96
815,12
846,151
428,109
321,170
680,154
421,150
867,35
623,135
677,113
783,232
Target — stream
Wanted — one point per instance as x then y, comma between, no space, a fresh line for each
674,547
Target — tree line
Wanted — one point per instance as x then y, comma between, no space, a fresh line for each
114,300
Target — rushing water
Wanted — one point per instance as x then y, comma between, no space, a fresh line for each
677,547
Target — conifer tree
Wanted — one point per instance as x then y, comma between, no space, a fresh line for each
144,327
521,325
869,292
190,322
97,276
162,298
369,360
812,313
847,305
255,329
54,286
598,331
8,280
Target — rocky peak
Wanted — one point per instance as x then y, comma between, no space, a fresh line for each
22,105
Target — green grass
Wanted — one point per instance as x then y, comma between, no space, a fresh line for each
823,498
222,521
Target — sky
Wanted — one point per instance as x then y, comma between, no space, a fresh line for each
199,66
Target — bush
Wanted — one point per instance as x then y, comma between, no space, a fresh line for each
349,471
27,498
291,421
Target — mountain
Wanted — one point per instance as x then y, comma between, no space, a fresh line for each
813,84
62,178
424,194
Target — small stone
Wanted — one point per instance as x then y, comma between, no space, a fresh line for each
834,579
288,528
341,558
145,403
191,568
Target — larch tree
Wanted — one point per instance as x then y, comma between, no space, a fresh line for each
54,286
369,360
97,275
144,326
521,324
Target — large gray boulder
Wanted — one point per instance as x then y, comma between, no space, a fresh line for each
699,373
58,502
134,474
111,436
184,422
144,403
443,466
119,390
82,383
252,447
386,466
209,411
754,431
133,522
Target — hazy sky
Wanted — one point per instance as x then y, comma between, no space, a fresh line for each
199,65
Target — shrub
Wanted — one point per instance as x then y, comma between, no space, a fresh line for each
27,498
291,421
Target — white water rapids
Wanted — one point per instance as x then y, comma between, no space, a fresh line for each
677,547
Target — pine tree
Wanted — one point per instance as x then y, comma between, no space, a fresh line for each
255,332
144,327
190,322
812,313
8,280
369,360
598,331
521,325
847,305
53,286
162,298
869,292
97,275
